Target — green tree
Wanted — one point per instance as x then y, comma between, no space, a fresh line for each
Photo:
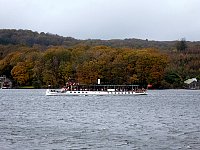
181,45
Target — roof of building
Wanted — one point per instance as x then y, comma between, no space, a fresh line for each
189,81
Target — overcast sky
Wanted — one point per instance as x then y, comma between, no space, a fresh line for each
105,19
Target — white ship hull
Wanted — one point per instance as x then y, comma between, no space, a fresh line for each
50,92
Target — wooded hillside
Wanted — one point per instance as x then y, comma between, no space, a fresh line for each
39,59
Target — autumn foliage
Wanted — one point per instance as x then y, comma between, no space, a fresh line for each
41,59
85,64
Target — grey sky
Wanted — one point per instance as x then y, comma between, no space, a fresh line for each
105,19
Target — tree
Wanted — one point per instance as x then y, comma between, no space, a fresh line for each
150,66
181,45
20,73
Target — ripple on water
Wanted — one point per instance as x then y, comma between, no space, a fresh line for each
167,119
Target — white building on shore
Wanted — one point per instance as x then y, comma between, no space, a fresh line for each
192,84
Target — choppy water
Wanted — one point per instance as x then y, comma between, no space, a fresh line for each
167,119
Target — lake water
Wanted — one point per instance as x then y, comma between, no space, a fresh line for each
164,119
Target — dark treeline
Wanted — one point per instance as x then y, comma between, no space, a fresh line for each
42,59
30,38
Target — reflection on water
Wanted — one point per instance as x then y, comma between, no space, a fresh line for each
167,119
